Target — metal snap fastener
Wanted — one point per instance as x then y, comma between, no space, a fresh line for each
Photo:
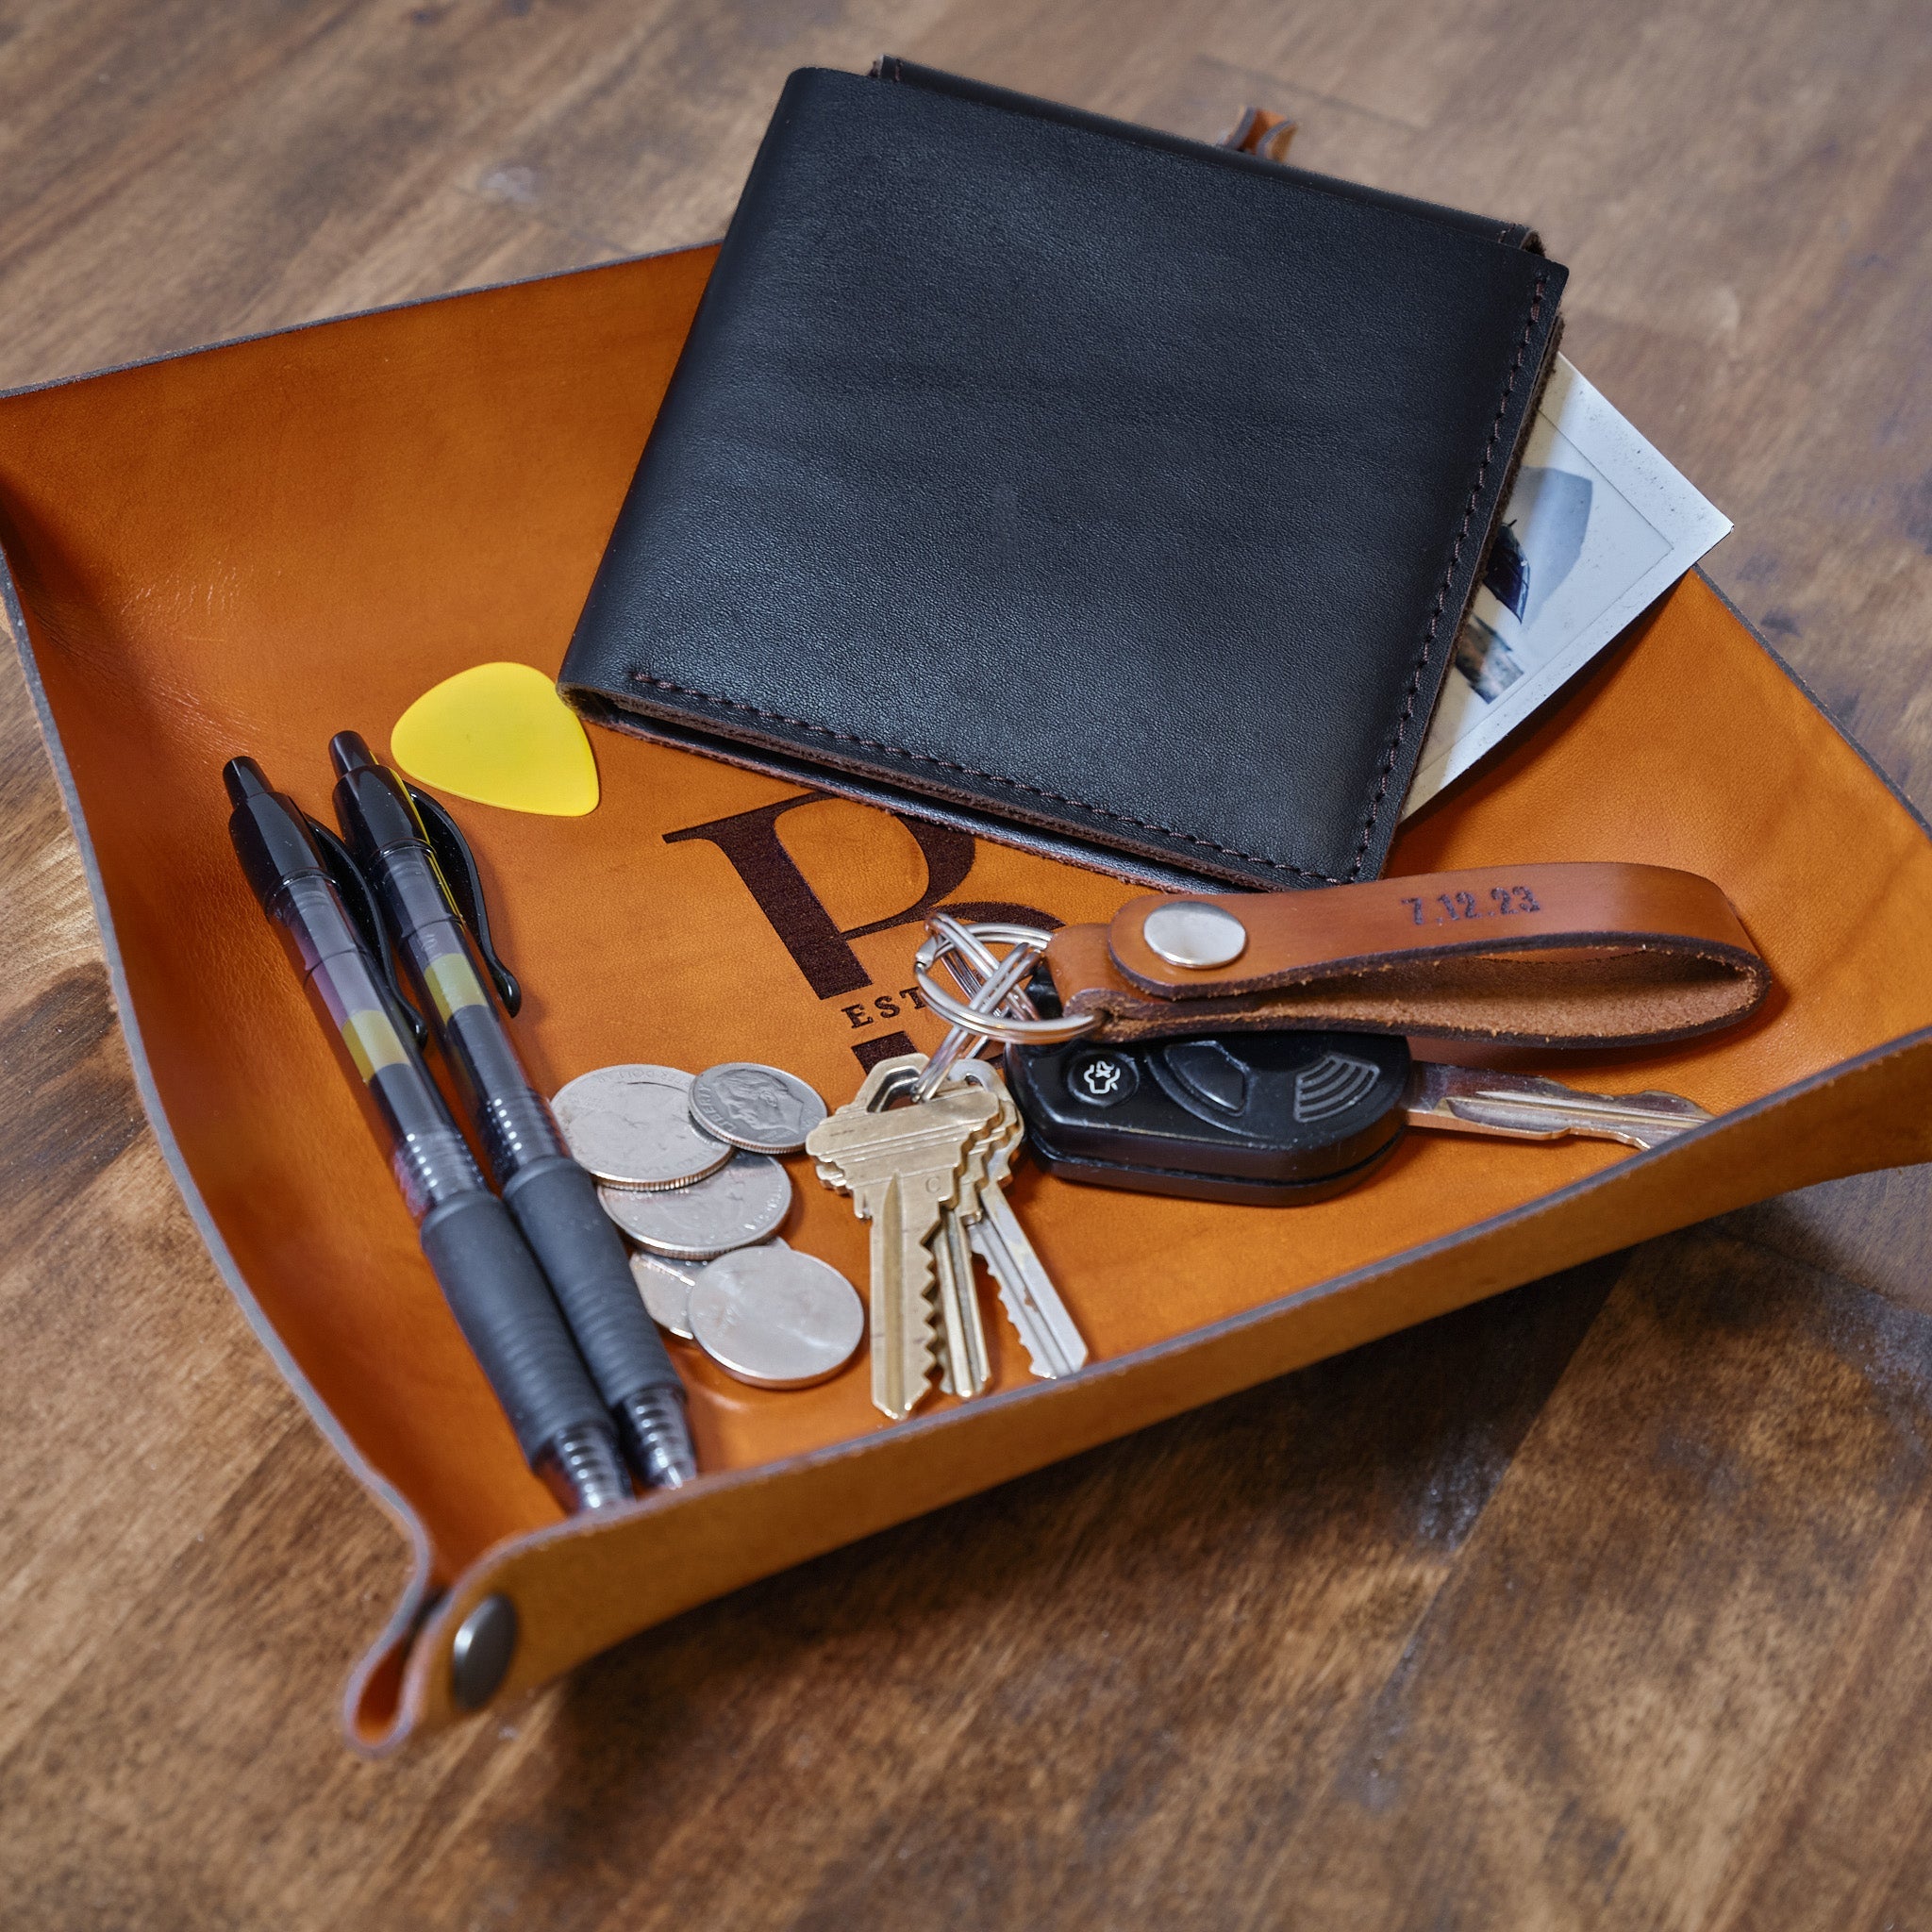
480,1658
1102,1079
1189,932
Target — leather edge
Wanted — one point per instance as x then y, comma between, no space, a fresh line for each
1514,422
892,69
297,328
700,722
497,1570
418,1622
369,1732
1805,688
759,755
1752,976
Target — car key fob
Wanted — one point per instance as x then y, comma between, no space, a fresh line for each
1272,1119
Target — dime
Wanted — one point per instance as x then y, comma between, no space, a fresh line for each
632,1127
741,1204
774,1318
763,1109
665,1286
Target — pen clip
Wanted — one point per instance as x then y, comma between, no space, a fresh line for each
358,901
451,850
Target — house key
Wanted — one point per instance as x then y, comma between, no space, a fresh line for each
1054,1344
992,1230
902,1168
1470,1100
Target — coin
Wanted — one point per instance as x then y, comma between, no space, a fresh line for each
665,1286
775,1318
632,1127
738,1205
764,1109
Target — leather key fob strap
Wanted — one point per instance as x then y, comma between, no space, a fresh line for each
1563,955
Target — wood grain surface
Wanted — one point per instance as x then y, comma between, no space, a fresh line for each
1604,1603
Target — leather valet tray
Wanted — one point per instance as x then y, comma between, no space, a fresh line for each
251,547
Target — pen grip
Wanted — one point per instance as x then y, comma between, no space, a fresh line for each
511,1323
556,1205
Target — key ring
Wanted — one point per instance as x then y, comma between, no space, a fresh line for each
995,1006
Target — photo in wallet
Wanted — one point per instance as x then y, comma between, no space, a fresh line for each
1597,526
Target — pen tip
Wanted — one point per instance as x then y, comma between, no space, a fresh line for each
243,779
349,752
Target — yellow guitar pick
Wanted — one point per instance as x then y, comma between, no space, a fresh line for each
499,734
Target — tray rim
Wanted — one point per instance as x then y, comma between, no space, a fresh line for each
416,1632
421,1702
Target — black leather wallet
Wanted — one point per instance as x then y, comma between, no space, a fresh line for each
1073,483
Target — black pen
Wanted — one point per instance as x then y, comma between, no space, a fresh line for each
414,858
492,1285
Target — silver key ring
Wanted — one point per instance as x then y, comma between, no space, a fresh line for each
993,986
965,942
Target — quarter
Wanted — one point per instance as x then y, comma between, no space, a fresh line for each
775,1318
741,1204
763,1109
631,1127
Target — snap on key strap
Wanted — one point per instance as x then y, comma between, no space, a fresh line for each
1569,954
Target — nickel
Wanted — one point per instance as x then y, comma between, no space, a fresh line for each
775,1318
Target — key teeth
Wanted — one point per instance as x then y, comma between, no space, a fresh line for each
913,1330
926,1350
920,1355
964,1367
1044,1359
1015,1311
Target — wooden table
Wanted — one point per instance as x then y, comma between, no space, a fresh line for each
1607,1603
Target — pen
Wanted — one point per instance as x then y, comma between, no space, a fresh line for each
393,833
488,1277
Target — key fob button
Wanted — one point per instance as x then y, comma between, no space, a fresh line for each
1209,1072
1102,1079
1336,1083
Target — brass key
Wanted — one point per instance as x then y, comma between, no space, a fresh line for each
964,1367
960,1339
902,1168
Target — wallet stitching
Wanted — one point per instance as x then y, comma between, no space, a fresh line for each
1128,818
1389,757
1422,661
973,772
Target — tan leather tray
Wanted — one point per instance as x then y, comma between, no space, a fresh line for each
254,546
